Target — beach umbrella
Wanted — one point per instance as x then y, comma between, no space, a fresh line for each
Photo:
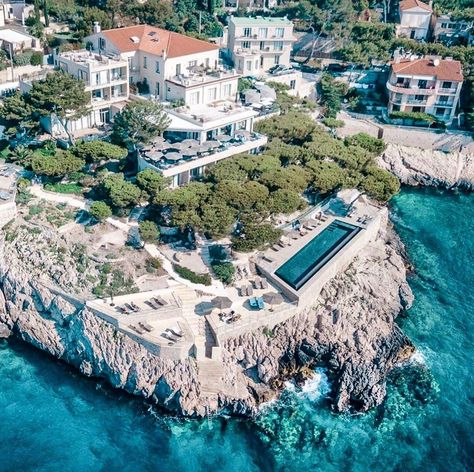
173,156
162,146
154,155
222,302
273,298
189,152
223,138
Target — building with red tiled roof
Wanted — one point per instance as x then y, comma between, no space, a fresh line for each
415,19
427,85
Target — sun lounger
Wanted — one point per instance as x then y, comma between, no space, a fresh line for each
138,329
276,247
134,307
153,304
253,302
177,331
260,303
121,309
169,337
161,301
264,283
129,307
146,326
249,291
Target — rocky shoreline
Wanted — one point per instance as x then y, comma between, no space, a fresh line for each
416,166
350,329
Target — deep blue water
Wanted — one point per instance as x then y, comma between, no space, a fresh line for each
53,419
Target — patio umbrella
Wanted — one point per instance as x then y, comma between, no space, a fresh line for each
204,308
273,298
189,152
224,138
189,142
211,144
244,133
154,155
173,156
222,302
162,146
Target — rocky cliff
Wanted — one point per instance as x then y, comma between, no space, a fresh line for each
350,329
415,166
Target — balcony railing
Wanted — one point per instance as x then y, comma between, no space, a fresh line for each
410,89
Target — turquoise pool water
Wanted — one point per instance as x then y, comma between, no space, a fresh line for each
297,270
55,420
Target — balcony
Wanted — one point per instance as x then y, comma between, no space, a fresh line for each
448,91
198,76
411,89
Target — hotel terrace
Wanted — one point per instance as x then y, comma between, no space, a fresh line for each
180,319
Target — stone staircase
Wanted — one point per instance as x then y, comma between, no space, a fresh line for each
210,376
198,324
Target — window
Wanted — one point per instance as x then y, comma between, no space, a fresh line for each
444,25
157,89
422,84
262,45
447,85
178,69
145,62
102,43
261,61
246,45
192,65
276,60
157,67
416,109
247,32
400,80
440,111
257,62
263,32
280,32
212,94
249,65
292,84
443,99
227,90
396,108
194,98
419,98
242,124
278,45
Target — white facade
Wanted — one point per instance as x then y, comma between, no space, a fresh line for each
13,10
255,45
14,42
414,21
447,29
416,90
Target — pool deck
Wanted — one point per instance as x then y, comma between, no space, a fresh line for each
272,259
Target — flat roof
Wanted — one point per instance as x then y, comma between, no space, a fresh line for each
261,21
13,36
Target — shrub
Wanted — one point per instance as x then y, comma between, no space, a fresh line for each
256,237
97,151
100,210
413,116
36,59
75,189
373,145
188,274
224,271
153,263
333,123
22,59
149,231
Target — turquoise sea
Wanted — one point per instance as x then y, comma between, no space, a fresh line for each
53,419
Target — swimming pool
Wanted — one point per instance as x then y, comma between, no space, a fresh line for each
297,270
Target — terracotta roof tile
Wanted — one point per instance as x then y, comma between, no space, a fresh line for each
155,41
408,4
445,70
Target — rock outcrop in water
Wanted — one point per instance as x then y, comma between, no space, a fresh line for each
350,329
415,166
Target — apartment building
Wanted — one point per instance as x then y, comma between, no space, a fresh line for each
106,78
232,5
450,31
255,45
428,85
415,19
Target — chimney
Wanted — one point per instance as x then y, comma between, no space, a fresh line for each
97,28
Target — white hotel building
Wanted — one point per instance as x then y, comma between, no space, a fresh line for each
184,73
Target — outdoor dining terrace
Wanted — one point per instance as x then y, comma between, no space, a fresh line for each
173,158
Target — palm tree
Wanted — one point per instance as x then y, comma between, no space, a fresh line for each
21,155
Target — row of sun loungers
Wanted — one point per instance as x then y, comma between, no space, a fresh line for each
260,283
129,308
246,291
142,327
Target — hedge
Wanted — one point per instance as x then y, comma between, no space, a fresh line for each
188,274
